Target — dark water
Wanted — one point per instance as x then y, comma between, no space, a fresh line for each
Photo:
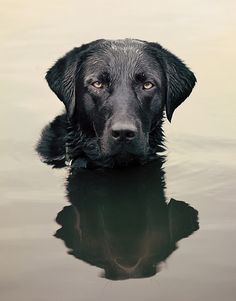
171,230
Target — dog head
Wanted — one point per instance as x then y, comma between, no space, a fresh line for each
117,91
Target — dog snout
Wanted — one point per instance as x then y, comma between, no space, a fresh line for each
123,132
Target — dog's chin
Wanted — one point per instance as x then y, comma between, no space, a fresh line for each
122,154
125,158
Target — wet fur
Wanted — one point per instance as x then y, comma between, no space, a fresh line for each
72,136
62,144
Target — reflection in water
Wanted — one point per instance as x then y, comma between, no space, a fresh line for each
119,220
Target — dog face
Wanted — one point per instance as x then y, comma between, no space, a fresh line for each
121,95
117,91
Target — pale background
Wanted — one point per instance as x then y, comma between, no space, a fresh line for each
201,139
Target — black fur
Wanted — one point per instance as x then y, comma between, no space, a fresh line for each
84,134
122,222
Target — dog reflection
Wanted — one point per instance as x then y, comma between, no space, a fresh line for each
120,221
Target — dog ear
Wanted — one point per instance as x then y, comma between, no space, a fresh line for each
62,76
180,79
183,219
61,79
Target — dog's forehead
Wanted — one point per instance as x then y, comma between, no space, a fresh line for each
126,46
119,56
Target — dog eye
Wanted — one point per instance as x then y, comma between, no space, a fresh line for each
148,85
98,85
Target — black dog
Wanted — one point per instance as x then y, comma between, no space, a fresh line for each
122,222
115,93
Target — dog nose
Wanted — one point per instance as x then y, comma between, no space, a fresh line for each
120,131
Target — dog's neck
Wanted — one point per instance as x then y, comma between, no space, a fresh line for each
86,150
64,143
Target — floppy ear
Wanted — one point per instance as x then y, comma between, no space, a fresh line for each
62,76
180,79
183,219
61,79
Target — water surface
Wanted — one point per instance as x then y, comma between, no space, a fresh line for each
41,219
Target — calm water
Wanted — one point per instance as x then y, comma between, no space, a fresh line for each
171,227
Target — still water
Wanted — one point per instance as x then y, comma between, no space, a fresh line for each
161,232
